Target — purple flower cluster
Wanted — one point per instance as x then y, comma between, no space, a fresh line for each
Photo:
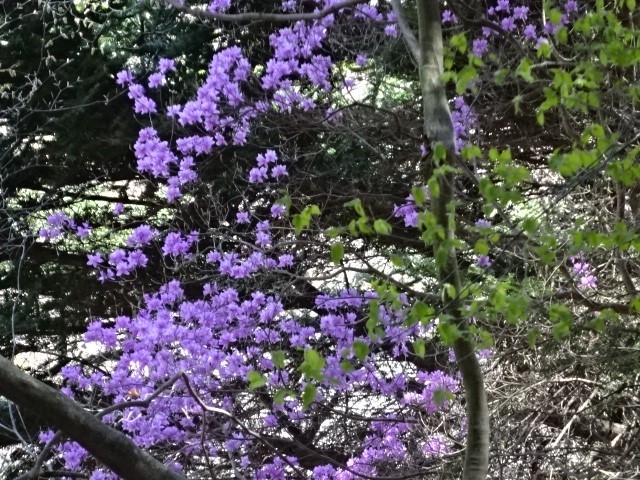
408,211
267,167
217,340
583,272
59,223
514,18
464,120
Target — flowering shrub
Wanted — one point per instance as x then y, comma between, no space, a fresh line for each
233,377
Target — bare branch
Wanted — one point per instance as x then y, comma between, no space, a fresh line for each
262,16
405,30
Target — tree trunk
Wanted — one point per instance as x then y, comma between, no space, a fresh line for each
438,129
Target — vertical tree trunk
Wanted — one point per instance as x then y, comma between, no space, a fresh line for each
438,129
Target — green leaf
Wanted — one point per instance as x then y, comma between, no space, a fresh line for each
256,380
450,290
314,209
449,333
313,364
501,75
353,228
278,358
356,204
439,152
302,220
434,187
284,201
561,330
530,225
597,324
361,349
333,232
418,196
481,247
524,70
459,42
382,227
555,16
560,314
470,152
346,366
397,260
337,252
374,319
363,225
465,76
309,395
544,50
440,397
419,347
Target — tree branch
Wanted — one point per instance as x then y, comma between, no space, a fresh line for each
407,33
262,16
114,449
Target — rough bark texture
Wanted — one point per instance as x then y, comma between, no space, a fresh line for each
109,446
438,129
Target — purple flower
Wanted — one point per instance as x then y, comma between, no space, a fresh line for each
436,446
137,259
175,244
141,235
480,46
503,6
508,23
483,261
117,256
529,32
391,30
173,111
135,91
270,156
156,80
83,231
124,78
361,60
520,13
60,220
279,171
166,65
285,260
588,281
144,105
483,223
243,217
571,6
257,174
95,259
449,17
277,210
118,209
551,28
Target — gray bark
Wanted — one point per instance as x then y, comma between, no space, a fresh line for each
438,129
